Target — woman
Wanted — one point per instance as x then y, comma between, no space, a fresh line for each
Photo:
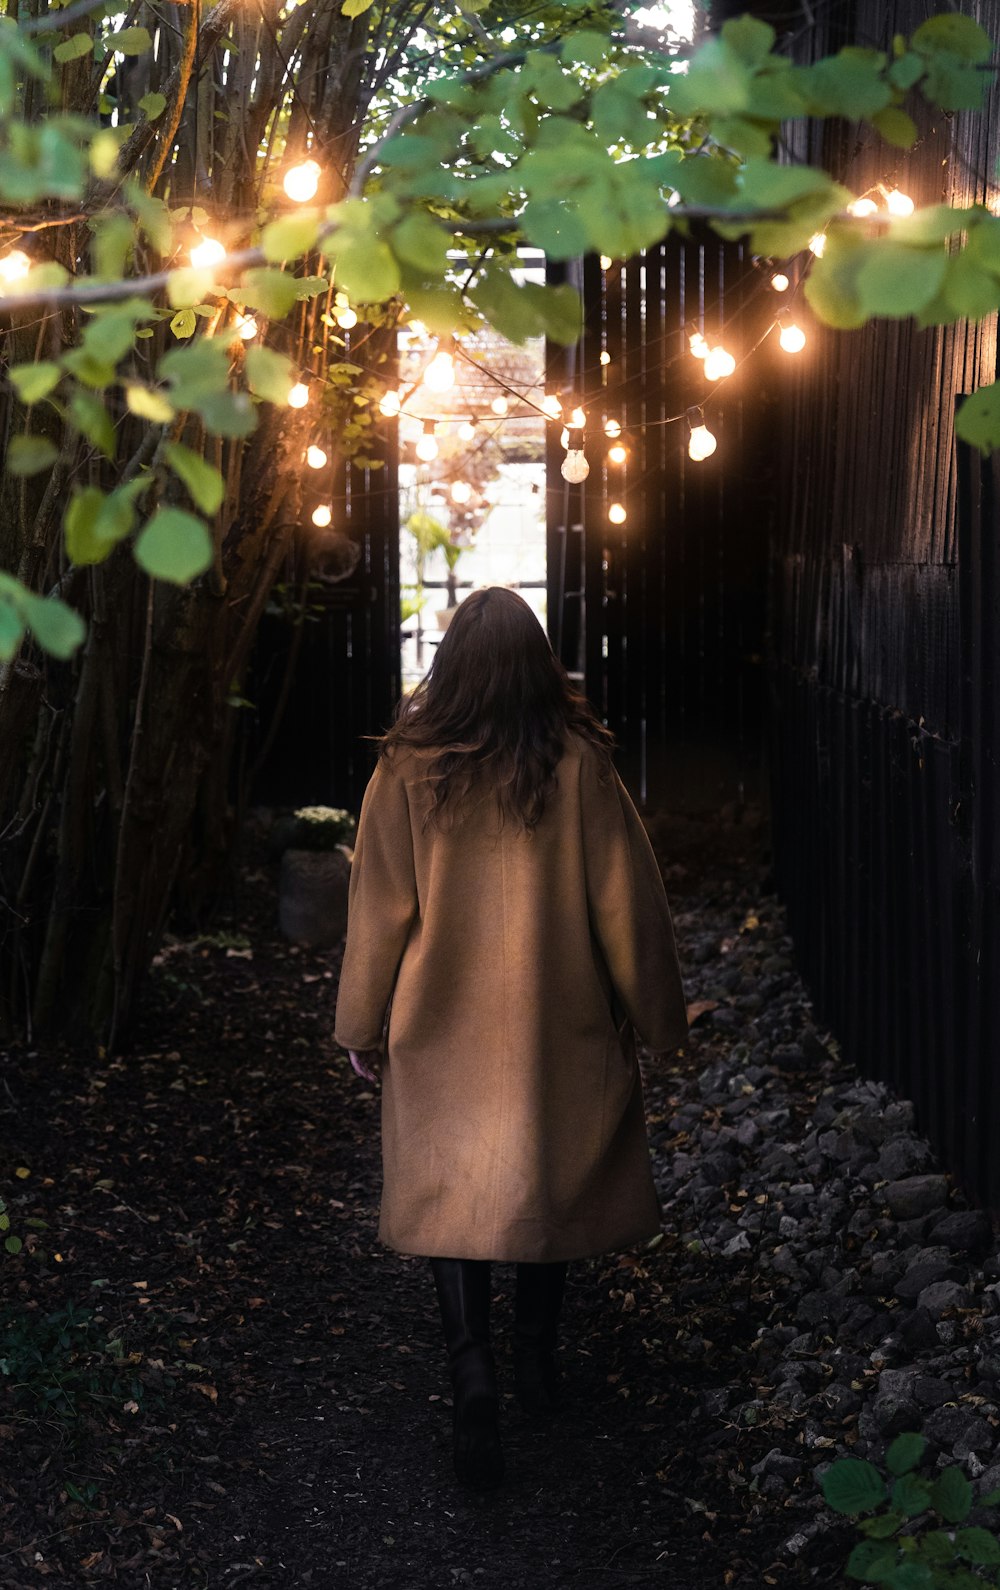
506,903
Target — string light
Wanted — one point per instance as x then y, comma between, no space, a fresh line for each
551,406
701,442
718,364
466,431
612,428
13,267
899,203
346,317
461,491
606,262
780,282
500,405
315,457
298,397
302,182
817,244
574,467
617,513
322,516
698,345
207,253
427,445
605,356
617,454
246,325
440,373
390,405
791,337
862,207
578,419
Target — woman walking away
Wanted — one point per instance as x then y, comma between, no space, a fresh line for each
506,902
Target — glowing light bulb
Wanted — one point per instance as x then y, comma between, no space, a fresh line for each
440,373
701,443
500,405
617,454
315,457
551,406
612,428
606,262
899,203
427,446
605,356
246,325
578,419
792,338
617,514
301,182
389,405
346,318
817,244
466,431
574,467
207,253
461,491
862,207
718,364
780,282
298,397
322,516
14,266
698,345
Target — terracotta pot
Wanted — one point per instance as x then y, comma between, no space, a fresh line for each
312,897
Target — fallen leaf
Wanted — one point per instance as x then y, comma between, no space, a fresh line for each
701,1007
206,1391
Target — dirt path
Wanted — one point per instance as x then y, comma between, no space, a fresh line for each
250,1391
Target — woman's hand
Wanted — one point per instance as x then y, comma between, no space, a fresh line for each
366,1062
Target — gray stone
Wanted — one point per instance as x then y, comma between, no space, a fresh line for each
896,1383
942,1295
931,1392
902,1156
920,1276
916,1195
953,1428
964,1231
893,1415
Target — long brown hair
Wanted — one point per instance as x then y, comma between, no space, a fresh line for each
496,704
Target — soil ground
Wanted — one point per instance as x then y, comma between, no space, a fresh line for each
211,1374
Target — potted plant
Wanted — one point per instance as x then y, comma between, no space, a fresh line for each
315,847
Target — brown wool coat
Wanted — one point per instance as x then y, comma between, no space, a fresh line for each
513,1125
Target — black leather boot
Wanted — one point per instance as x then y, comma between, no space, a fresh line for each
537,1302
463,1290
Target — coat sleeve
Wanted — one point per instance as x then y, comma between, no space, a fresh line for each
382,906
629,912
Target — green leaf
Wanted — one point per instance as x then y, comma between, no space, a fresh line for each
990,1499
271,291
148,404
871,1560
896,281
937,1546
831,288
270,374
188,286
907,70
978,423
881,1526
953,85
764,185
289,238
560,311
174,546
749,39
911,1576
366,269
153,104
56,627
556,228
203,481
73,48
977,1545
717,82
356,8
896,127
32,382
11,633
184,323
852,1485
130,41
850,83
422,242
954,34
968,289
29,455
905,1452
951,1492
92,420
911,1495
13,1244
586,47
95,523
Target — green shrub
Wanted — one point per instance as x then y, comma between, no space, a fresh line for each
901,1554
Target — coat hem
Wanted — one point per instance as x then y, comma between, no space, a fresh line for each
556,1253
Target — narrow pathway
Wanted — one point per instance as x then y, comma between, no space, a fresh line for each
273,1407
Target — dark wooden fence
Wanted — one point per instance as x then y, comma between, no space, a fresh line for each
661,617
884,668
